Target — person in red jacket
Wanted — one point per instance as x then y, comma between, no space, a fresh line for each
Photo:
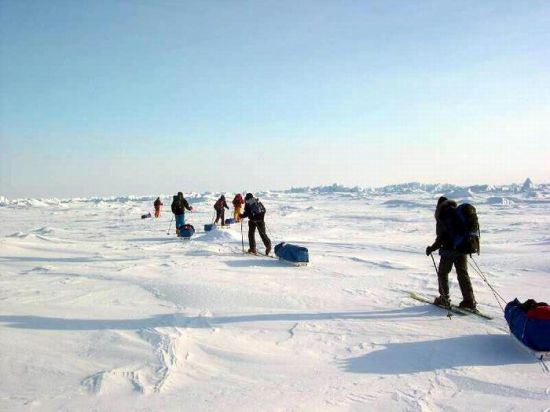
157,205
220,207
238,203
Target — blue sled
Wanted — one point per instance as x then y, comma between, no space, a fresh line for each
186,231
533,332
208,227
297,255
229,221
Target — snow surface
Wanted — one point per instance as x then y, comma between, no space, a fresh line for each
101,310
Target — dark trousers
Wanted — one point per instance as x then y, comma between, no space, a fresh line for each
220,214
252,225
460,263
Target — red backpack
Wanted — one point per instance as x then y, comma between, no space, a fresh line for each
219,204
238,200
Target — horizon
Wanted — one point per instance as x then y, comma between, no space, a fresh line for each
142,97
346,188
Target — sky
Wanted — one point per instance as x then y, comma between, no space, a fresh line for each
158,96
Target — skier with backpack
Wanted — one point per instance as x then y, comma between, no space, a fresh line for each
254,210
179,204
238,203
457,231
220,207
158,203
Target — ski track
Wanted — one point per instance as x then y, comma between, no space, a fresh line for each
137,312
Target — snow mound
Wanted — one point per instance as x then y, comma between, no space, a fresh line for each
334,188
500,201
415,187
527,185
534,194
45,230
20,235
462,193
220,235
402,203
482,188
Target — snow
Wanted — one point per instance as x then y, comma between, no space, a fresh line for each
101,310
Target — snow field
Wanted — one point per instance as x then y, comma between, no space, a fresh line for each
102,310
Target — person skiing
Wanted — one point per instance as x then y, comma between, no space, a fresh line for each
157,205
445,216
179,204
254,210
220,207
238,203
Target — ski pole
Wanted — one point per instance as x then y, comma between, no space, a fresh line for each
242,236
169,227
433,260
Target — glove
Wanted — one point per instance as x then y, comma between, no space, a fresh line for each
190,208
429,251
241,216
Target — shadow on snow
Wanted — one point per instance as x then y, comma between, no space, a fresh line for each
392,358
424,356
182,321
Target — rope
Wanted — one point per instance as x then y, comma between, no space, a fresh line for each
497,295
268,231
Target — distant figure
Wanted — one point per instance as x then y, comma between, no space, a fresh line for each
220,207
179,204
254,210
157,205
446,221
238,203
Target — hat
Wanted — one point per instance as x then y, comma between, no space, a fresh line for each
248,196
441,200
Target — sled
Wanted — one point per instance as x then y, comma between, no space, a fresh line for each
531,328
293,254
539,355
186,231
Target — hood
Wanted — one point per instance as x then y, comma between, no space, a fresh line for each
443,206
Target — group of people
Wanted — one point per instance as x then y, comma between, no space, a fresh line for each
254,210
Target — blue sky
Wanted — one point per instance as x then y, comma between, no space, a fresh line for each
144,96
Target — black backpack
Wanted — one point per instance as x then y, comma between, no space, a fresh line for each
256,207
465,231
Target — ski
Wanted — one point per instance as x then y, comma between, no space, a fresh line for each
453,308
297,264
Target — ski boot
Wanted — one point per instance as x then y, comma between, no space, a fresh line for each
442,301
468,304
